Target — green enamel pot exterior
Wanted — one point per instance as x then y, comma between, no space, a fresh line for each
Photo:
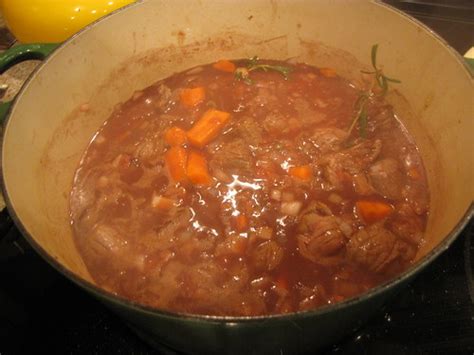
18,54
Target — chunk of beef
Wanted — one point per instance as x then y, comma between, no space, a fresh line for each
265,97
150,151
276,124
387,178
163,285
213,290
311,297
306,113
233,158
250,131
328,139
362,185
323,235
107,247
275,156
406,224
173,230
83,198
267,255
323,249
378,249
164,96
340,166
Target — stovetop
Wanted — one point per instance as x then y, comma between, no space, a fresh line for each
43,312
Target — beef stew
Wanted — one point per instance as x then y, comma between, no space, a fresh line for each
245,188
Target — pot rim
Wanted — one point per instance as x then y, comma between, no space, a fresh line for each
124,302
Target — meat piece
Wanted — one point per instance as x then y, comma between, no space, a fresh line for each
106,245
275,156
323,249
83,199
163,285
233,158
406,224
339,167
311,297
264,97
387,178
150,151
361,185
250,131
172,230
164,96
378,249
307,114
213,290
322,239
267,255
275,124
328,139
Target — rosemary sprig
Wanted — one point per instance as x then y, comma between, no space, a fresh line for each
380,78
243,73
360,106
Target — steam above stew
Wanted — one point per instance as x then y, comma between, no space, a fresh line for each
250,187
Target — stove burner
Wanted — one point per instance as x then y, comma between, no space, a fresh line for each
469,259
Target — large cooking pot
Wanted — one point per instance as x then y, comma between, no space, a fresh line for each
75,89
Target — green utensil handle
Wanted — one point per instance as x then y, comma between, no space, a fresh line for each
470,62
19,54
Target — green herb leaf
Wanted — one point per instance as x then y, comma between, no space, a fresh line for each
384,85
378,78
373,55
285,71
242,73
253,61
396,81
360,105
363,122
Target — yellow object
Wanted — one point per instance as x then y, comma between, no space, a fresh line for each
53,20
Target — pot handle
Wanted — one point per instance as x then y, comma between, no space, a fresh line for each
470,62
19,54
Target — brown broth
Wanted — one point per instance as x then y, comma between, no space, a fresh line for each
306,238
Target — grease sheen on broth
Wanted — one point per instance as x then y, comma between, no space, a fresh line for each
206,194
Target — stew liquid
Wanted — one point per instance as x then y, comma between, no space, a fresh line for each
227,190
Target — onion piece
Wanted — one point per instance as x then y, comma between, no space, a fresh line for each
291,208
275,195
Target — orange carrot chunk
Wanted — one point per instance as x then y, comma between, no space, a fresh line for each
373,211
175,136
281,281
224,65
207,127
176,159
413,173
197,170
328,72
302,172
241,223
193,97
